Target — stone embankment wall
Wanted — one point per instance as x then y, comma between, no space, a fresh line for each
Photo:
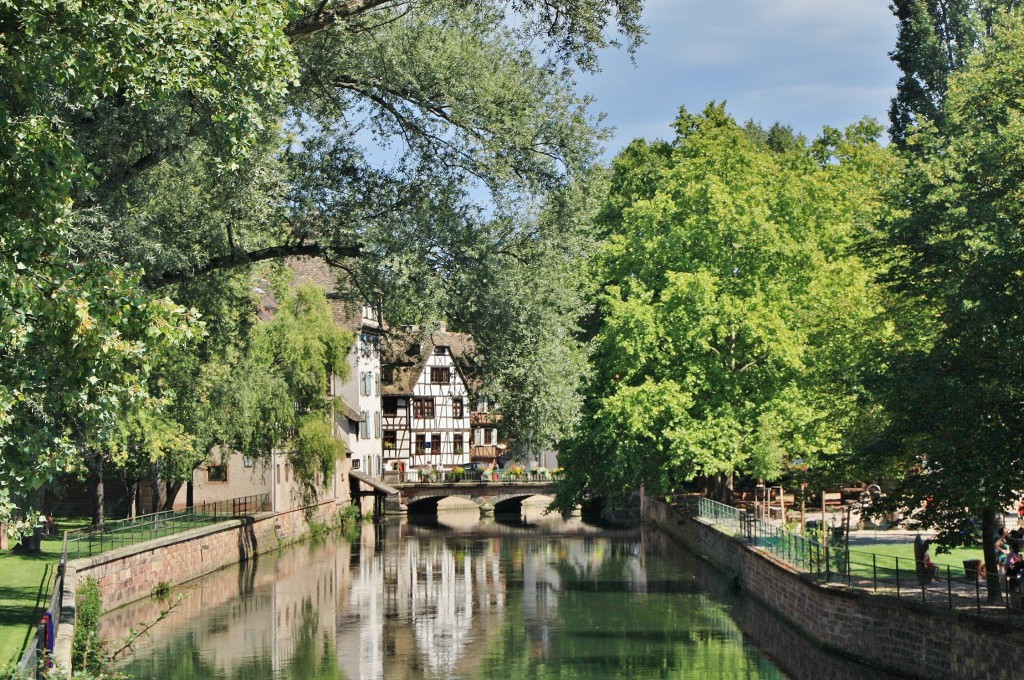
130,573
900,636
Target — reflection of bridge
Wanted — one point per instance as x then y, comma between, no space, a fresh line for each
497,497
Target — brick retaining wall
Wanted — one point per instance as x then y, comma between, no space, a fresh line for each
130,573
897,635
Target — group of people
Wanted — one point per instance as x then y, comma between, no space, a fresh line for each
1008,557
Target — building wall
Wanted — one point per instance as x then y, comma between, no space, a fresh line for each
245,477
362,393
399,424
444,423
901,636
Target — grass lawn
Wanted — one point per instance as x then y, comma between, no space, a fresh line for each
25,585
954,558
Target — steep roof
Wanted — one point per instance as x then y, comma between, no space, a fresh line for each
348,313
406,351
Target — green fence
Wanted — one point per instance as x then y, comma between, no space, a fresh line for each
119,533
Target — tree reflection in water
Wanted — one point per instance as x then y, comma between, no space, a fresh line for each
456,599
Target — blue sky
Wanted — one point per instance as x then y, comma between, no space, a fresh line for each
804,63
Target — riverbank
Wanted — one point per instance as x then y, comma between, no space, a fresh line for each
899,636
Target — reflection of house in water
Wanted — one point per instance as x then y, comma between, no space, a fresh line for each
421,609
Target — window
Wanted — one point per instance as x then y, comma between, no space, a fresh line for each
457,407
441,349
421,444
248,462
457,447
390,440
423,407
364,425
366,383
217,473
355,463
278,473
390,406
440,375
435,444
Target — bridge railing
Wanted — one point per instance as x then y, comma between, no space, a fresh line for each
456,476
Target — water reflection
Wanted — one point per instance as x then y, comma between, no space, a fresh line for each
451,597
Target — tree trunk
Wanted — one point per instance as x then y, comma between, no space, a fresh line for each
172,489
190,495
132,489
156,485
98,498
989,528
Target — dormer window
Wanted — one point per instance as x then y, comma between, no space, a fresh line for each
441,349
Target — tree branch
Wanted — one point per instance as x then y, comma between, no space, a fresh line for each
320,19
239,259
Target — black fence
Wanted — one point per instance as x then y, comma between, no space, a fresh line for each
954,588
118,534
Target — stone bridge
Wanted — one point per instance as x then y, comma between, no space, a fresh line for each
491,497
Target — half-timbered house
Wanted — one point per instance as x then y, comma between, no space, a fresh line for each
426,407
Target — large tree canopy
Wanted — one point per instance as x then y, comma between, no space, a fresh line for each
954,380
732,313
148,146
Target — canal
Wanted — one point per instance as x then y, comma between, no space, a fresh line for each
455,597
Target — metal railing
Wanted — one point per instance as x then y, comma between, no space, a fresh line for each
36,659
504,476
947,586
123,532
117,534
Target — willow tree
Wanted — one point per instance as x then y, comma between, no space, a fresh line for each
732,311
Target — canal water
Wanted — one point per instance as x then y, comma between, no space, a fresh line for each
455,597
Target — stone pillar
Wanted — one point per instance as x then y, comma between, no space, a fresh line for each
487,509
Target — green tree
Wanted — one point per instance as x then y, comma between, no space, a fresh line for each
278,391
934,40
731,310
953,382
143,148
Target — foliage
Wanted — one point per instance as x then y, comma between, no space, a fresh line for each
522,305
952,385
935,39
732,311
153,146
88,650
280,390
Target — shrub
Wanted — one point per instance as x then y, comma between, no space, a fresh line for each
88,650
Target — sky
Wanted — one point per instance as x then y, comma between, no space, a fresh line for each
803,63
